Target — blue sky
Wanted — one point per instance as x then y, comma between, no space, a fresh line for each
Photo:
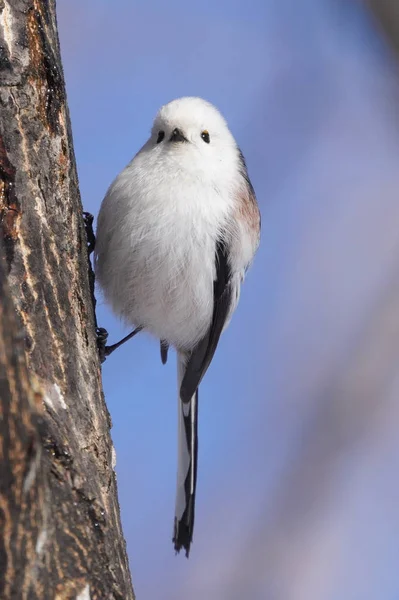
284,502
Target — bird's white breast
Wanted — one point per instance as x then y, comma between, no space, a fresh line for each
156,247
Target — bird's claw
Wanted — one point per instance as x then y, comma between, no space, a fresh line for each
102,338
91,238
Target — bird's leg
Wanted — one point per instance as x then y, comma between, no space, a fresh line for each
101,333
110,349
91,242
91,238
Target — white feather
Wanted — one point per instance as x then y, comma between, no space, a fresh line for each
159,222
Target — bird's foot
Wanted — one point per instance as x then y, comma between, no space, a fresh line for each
101,333
102,337
91,238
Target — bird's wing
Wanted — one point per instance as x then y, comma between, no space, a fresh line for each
232,260
223,295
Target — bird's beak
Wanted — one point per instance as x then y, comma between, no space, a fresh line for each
177,136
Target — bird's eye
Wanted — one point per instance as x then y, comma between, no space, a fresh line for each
205,136
161,135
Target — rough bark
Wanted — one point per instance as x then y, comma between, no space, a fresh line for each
60,532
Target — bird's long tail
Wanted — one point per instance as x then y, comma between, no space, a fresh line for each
187,465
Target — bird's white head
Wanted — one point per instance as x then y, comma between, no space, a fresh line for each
192,127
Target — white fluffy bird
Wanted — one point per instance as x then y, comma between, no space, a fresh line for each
177,231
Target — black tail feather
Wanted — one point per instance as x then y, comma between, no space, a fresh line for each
184,527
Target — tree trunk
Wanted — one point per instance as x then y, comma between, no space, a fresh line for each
60,532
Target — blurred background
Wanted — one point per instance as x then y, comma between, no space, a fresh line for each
298,488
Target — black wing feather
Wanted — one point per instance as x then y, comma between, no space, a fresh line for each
164,351
202,355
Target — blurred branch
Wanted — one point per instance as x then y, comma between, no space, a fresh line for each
386,13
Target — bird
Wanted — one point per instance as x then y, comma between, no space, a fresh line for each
176,234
